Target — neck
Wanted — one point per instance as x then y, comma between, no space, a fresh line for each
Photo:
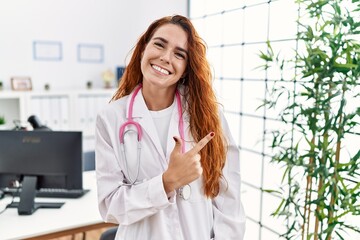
159,99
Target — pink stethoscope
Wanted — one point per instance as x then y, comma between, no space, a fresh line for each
184,191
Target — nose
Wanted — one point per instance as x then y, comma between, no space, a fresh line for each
165,57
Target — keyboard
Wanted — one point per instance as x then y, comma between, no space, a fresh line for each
51,192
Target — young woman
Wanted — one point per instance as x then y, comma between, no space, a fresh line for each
167,165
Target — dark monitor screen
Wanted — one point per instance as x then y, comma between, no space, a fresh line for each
53,158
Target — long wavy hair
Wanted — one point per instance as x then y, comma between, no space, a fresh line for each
201,101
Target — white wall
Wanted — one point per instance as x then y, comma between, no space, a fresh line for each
114,24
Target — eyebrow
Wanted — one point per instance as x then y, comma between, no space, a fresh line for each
166,41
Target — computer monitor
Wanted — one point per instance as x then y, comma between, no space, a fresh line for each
40,159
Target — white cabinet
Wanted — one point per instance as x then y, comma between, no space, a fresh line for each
59,110
12,107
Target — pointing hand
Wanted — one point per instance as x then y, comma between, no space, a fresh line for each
184,167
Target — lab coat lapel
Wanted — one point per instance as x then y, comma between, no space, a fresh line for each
142,115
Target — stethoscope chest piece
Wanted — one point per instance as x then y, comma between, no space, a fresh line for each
185,192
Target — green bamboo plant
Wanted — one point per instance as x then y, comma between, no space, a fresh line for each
320,186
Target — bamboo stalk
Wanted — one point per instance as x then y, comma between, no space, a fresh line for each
305,207
335,177
309,209
336,163
320,184
308,179
316,229
308,191
324,148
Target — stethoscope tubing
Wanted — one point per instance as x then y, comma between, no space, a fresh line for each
137,125
130,120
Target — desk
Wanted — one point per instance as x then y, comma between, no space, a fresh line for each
76,215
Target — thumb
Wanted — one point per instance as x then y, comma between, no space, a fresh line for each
178,144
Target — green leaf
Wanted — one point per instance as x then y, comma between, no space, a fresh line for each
278,208
265,57
356,156
272,191
346,66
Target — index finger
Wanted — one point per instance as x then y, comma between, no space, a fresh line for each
201,144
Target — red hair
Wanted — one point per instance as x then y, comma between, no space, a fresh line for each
201,101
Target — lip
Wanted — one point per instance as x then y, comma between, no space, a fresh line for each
151,64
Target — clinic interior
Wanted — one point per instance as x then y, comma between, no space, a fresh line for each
67,48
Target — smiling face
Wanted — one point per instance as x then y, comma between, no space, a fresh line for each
165,57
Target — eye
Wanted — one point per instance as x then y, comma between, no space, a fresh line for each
159,44
180,55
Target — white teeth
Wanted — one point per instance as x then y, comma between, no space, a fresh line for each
157,68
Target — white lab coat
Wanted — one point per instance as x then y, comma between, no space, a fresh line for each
144,211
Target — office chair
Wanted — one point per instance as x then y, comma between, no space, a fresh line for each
89,161
36,124
109,234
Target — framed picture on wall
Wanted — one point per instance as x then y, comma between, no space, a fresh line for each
21,83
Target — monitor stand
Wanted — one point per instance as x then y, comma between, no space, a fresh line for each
27,204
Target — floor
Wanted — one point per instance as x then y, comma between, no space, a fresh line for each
90,235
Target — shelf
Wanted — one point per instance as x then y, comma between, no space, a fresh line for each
73,110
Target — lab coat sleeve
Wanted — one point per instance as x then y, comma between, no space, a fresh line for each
119,203
229,215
